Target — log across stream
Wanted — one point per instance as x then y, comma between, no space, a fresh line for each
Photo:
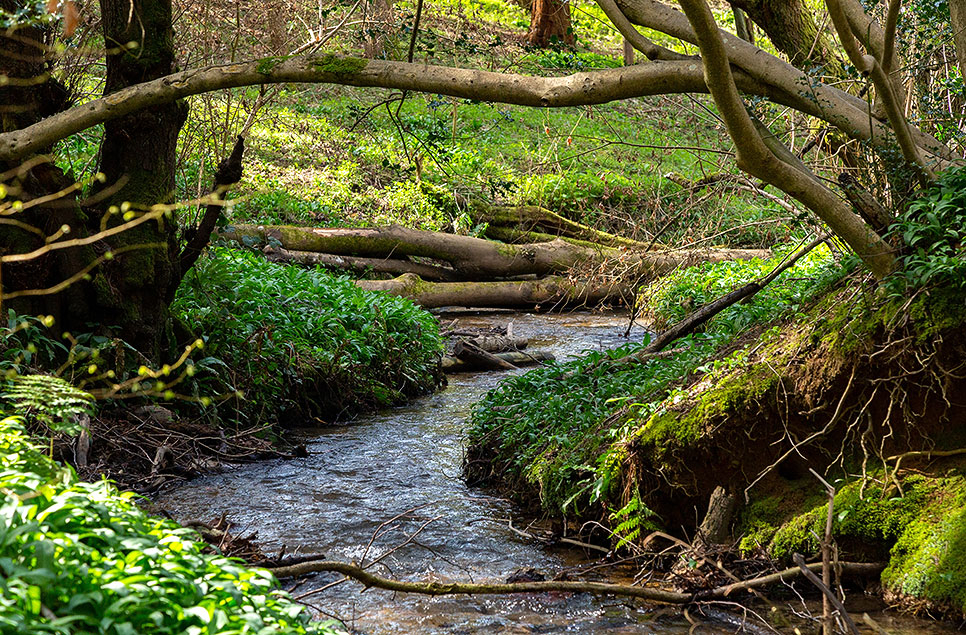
406,462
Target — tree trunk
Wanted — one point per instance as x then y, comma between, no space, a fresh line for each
550,23
377,28
791,27
548,293
138,158
30,96
478,259
957,19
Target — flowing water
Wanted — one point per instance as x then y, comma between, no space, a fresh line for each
404,464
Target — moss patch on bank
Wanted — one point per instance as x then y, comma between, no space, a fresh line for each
916,522
560,436
83,558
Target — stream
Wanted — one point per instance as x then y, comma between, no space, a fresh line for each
403,465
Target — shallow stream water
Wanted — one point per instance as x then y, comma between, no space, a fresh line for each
404,464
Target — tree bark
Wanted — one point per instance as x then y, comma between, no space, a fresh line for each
550,23
476,258
138,158
544,294
957,19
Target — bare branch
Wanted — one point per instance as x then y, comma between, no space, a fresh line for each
755,157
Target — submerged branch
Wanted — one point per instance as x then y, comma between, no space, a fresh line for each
370,580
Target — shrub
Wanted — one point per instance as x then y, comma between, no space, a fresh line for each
307,341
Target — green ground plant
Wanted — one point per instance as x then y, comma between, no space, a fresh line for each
82,557
559,432
933,229
304,342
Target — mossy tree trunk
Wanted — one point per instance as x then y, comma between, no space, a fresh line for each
138,160
30,96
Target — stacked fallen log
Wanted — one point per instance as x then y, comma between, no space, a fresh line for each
549,292
470,351
440,269
531,223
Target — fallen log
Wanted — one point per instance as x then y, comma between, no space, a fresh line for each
370,580
517,358
476,258
550,292
497,343
361,265
530,217
475,356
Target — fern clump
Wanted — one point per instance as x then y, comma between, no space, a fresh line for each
49,401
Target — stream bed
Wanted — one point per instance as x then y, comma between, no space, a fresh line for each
388,486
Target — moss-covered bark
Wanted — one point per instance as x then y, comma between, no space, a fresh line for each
138,159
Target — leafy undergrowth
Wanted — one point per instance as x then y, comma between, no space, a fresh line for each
302,342
557,435
81,557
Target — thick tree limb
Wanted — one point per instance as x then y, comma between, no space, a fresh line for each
550,292
476,258
755,158
370,580
787,86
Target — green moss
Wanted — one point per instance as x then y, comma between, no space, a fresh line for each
338,64
928,561
868,520
737,392
267,64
